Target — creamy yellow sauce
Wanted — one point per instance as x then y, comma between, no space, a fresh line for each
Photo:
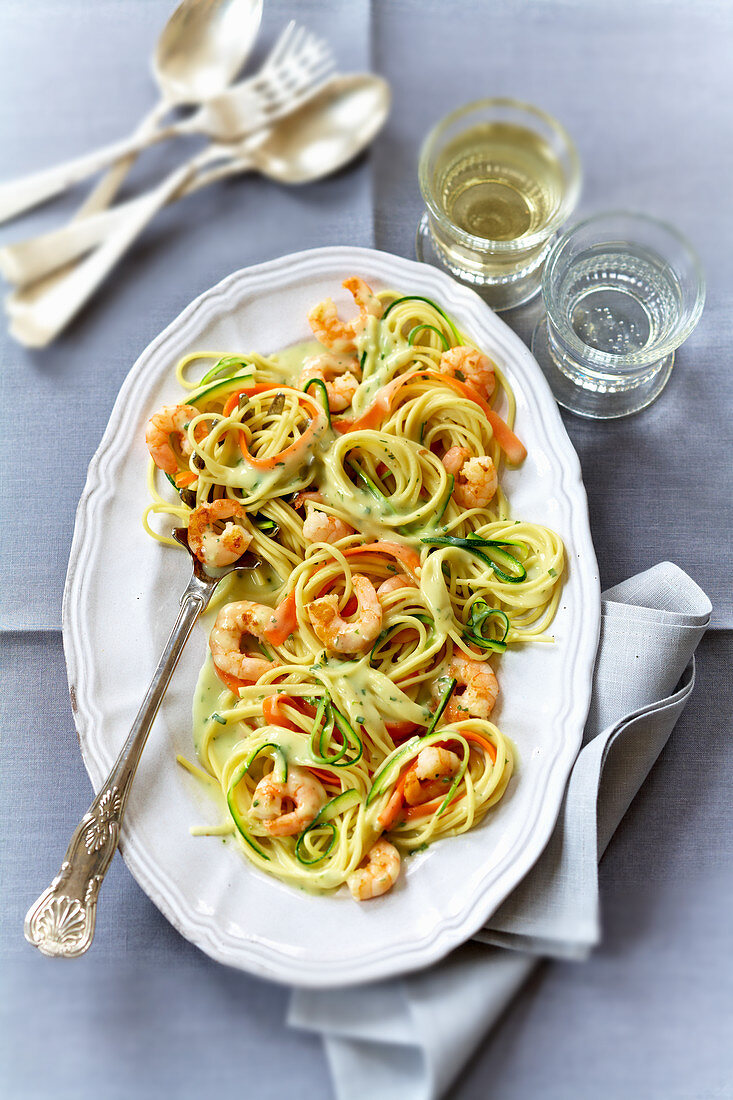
364,694
318,461
290,360
360,694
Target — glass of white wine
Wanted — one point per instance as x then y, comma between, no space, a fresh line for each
499,178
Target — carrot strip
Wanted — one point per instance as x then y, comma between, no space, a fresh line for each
477,739
295,447
410,558
324,776
186,477
257,387
377,411
426,808
303,707
398,731
392,810
317,418
512,446
486,745
273,714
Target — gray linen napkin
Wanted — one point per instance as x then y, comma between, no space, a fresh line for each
407,1037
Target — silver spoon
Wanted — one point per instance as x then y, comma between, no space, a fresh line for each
61,921
315,141
202,47
200,50
323,135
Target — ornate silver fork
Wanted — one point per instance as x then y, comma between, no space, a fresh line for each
61,921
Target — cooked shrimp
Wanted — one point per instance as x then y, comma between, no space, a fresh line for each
431,776
214,542
378,874
339,374
319,527
305,495
271,799
341,636
475,478
233,623
455,459
340,390
480,690
165,428
340,335
470,365
392,584
242,666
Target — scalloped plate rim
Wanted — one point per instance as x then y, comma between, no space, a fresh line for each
401,956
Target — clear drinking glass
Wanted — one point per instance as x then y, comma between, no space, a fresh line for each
621,292
499,178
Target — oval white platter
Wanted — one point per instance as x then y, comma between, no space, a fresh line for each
121,599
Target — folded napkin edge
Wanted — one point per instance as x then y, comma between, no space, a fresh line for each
619,593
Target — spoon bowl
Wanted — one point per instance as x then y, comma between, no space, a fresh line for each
323,135
203,46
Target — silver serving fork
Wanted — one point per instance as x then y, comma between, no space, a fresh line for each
61,921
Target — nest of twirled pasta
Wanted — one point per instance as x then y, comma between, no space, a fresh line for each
343,711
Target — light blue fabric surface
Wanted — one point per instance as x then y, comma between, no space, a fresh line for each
645,88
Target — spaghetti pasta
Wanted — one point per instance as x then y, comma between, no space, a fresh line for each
347,696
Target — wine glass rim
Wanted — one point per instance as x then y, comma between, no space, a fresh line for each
682,328
518,244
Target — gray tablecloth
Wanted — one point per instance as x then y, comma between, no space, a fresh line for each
645,88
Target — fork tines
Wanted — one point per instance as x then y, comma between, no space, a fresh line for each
297,65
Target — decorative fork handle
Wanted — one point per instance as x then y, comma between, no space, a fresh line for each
61,922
